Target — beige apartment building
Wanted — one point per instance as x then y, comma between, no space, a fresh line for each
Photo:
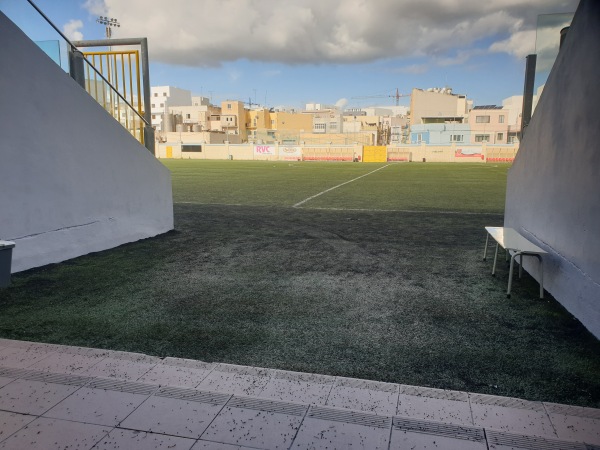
438,105
490,124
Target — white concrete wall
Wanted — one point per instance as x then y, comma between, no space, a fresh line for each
553,194
72,179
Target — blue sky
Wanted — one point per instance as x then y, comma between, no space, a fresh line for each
299,51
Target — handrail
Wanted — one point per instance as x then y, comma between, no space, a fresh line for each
72,46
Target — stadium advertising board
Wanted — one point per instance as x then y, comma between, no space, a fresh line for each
265,150
469,152
288,153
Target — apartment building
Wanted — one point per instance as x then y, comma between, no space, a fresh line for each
163,97
438,105
489,123
233,119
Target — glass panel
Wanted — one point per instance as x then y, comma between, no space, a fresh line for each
51,48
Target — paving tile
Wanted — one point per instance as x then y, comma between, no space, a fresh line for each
21,357
140,440
176,416
422,434
575,423
178,372
498,440
208,445
7,342
97,406
5,380
256,423
368,396
402,440
33,397
63,362
326,428
439,410
236,380
122,366
298,387
511,415
11,422
46,434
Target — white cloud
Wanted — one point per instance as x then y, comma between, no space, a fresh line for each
519,44
211,32
71,30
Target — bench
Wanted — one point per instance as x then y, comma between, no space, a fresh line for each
517,246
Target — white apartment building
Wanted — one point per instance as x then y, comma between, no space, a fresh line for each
163,97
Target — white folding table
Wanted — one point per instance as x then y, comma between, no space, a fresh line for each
517,246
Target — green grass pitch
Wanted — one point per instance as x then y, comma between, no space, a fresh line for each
380,278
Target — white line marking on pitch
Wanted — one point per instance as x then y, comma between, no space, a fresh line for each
339,185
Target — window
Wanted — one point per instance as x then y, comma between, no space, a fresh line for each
272,122
154,116
156,94
188,116
333,125
191,148
482,138
320,127
164,94
419,138
162,105
228,105
500,119
482,119
153,105
500,137
456,138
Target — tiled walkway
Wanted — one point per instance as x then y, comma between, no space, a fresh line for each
54,397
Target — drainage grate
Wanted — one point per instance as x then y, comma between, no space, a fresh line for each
366,384
192,395
439,429
530,442
567,410
13,373
506,402
58,378
122,386
267,406
440,394
355,418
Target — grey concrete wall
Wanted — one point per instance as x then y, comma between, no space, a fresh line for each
72,179
553,194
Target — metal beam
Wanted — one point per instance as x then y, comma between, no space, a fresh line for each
528,92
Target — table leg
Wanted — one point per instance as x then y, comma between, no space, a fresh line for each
487,238
541,276
495,258
520,266
510,273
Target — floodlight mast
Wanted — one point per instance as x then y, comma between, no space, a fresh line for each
108,22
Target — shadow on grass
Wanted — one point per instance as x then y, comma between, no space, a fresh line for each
390,296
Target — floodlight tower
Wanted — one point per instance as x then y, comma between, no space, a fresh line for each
108,22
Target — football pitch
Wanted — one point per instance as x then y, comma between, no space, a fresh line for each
371,271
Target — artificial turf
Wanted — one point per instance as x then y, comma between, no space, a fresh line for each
381,278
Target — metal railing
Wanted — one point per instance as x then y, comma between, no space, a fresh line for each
113,100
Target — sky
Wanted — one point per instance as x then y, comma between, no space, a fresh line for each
286,53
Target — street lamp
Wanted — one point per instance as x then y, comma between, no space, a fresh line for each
108,22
